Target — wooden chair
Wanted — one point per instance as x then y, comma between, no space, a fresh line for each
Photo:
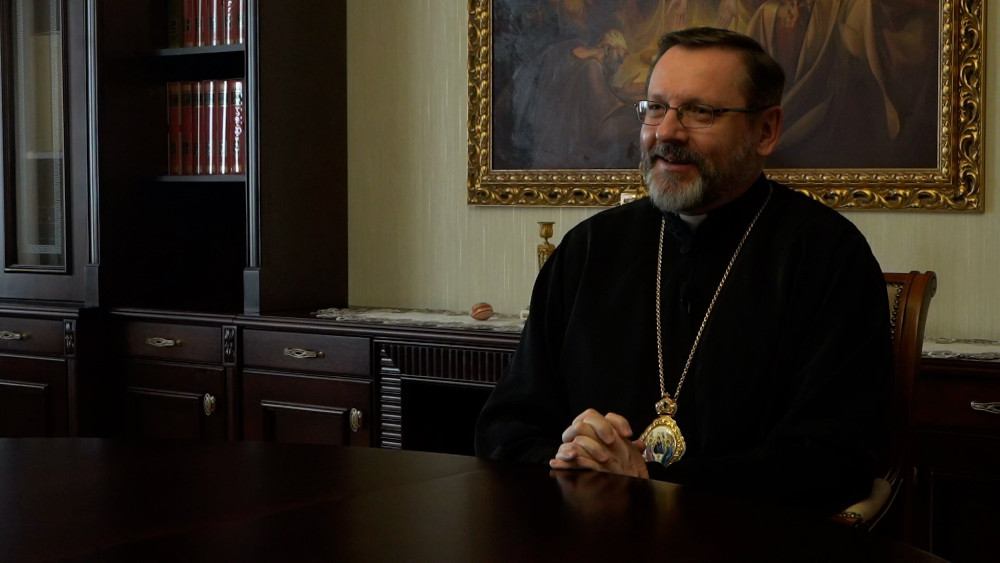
909,299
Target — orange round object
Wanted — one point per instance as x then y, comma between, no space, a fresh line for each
481,311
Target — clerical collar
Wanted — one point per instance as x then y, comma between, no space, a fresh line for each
735,212
693,220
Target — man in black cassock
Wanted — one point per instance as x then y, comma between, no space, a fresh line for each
773,301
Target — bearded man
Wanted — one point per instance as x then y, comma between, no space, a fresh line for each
744,326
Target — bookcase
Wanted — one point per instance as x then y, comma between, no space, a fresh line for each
120,280
181,255
45,330
272,239
44,181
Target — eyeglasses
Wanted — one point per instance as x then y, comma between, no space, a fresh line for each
691,116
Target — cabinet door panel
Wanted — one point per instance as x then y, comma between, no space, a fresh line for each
956,488
34,399
964,520
169,401
44,144
306,409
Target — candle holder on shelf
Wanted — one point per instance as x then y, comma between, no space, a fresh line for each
545,249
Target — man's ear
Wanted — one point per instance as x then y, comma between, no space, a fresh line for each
769,130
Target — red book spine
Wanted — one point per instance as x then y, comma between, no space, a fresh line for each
221,124
187,128
207,24
196,123
220,22
235,158
234,21
241,22
189,17
174,128
207,129
175,23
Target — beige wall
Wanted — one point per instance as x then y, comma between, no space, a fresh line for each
415,243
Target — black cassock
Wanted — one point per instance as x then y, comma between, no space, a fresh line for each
787,396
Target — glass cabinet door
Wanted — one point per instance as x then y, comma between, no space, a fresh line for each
33,136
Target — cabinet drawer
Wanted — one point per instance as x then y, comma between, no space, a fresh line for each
31,336
294,351
947,401
189,343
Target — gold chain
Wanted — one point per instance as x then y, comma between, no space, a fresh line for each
711,304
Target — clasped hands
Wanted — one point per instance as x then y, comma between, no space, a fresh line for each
601,443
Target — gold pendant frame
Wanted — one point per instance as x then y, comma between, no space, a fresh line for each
664,442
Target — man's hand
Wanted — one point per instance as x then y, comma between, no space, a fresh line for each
602,443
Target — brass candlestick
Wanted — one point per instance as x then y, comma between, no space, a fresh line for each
545,249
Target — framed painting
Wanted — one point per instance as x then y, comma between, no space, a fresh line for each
883,99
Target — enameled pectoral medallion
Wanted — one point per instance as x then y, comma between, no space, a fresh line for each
664,442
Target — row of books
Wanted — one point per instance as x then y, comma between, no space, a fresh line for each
206,127
199,23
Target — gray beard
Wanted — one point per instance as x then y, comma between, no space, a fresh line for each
670,194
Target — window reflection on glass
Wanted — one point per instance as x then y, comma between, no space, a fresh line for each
35,136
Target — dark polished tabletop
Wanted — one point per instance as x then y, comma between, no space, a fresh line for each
100,500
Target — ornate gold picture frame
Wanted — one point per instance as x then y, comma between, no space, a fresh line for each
937,154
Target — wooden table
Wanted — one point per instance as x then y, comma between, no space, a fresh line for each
100,500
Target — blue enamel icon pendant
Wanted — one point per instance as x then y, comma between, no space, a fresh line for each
664,442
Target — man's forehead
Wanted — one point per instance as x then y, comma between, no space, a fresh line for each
700,72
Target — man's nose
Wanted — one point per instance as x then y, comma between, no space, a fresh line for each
671,129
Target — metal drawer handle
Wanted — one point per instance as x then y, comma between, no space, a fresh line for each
300,354
163,342
357,418
7,335
992,408
208,404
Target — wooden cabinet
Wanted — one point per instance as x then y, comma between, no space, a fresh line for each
175,376
46,195
182,254
393,386
45,231
34,379
93,219
955,450
307,388
273,238
40,385
433,383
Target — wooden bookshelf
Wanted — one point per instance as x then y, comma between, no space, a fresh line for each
271,239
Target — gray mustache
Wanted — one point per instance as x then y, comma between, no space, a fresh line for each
665,150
